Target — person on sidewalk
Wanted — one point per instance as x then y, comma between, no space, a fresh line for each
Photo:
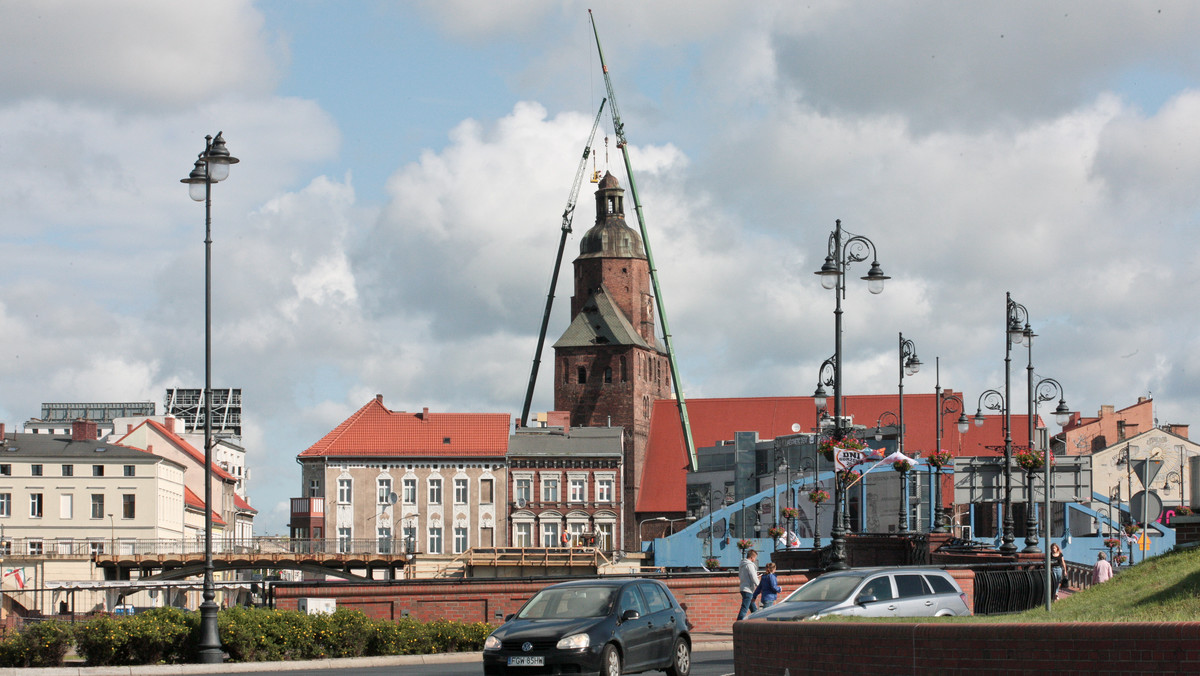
1058,568
768,587
1102,572
747,583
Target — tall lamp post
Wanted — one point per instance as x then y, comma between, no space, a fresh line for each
909,364
211,167
1047,389
995,401
946,405
1017,332
902,516
840,254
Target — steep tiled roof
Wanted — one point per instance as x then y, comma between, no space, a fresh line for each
242,505
375,431
190,499
182,445
664,477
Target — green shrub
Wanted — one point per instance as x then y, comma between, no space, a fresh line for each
41,644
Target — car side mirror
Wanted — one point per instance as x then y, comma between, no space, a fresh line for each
630,614
509,616
865,599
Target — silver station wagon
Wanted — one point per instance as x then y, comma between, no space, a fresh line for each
872,592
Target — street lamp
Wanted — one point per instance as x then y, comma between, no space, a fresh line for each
902,517
839,256
1046,390
643,522
211,167
995,401
946,405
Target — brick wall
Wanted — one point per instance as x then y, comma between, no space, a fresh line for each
979,650
712,600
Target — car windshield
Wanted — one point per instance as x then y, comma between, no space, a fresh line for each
828,588
568,603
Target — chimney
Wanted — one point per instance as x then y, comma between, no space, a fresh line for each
1174,428
1,432
379,398
559,419
425,414
169,423
83,430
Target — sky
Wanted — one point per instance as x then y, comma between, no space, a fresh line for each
392,224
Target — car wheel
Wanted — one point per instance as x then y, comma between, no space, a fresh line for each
610,661
681,659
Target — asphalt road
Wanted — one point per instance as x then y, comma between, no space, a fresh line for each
706,663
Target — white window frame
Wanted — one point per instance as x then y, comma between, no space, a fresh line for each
435,540
550,486
314,488
461,539
435,490
551,534
523,533
383,488
345,491
606,532
37,506
344,536
523,487
462,490
605,488
96,504
383,540
576,488
5,504
36,547
409,487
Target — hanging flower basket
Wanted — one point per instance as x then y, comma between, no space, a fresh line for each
828,446
789,513
1183,510
902,466
744,544
712,563
818,495
1029,460
941,459
1112,543
1121,558
1130,529
775,532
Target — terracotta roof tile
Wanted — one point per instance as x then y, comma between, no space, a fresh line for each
190,499
182,445
375,431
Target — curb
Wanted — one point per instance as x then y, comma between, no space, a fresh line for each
267,667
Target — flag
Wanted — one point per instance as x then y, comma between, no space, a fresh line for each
18,576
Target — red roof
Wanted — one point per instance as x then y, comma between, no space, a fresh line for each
192,500
241,504
182,445
375,431
664,477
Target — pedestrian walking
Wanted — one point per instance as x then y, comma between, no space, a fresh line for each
768,587
1057,568
1102,572
747,583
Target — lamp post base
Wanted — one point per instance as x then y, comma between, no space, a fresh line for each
210,637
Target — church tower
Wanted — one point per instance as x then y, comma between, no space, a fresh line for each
608,365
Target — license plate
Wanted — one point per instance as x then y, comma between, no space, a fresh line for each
527,661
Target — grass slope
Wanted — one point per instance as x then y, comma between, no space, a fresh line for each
1164,588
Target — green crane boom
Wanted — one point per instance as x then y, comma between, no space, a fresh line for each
619,131
567,217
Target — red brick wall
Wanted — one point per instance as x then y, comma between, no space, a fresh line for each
768,648
712,601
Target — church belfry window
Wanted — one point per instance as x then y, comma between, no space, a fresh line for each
607,374
582,373
624,372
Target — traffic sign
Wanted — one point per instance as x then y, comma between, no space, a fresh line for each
1144,541
1146,470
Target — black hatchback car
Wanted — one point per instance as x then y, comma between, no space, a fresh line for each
605,626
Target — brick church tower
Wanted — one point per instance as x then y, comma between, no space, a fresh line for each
608,365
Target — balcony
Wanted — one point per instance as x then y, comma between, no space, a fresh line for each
308,508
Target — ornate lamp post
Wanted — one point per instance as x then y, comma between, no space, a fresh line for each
946,405
839,256
902,518
995,401
211,167
1047,389
909,364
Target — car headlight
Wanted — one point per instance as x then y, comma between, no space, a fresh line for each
574,642
491,643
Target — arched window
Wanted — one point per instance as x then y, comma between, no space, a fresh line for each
607,375
624,373
566,371
582,372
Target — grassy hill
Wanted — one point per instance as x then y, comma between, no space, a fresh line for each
1161,589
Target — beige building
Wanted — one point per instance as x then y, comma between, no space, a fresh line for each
1175,483
388,481
65,498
